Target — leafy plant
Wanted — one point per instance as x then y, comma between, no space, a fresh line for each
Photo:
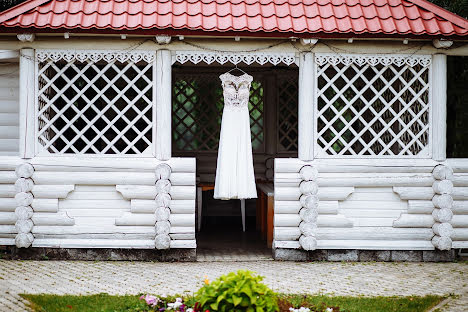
241,291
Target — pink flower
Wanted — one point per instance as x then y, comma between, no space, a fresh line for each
151,300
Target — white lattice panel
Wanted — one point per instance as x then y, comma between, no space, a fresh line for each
95,102
372,105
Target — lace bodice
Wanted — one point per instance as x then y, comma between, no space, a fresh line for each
236,90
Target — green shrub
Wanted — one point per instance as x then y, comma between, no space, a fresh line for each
241,291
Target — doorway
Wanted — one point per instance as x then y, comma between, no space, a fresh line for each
196,121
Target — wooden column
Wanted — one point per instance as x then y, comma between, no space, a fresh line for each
439,107
27,103
306,106
163,131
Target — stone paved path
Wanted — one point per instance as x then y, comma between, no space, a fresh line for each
369,279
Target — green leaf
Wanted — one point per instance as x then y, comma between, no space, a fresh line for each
236,300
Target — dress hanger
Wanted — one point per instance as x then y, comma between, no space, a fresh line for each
237,69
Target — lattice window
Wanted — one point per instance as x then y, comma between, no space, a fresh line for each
95,102
372,105
197,111
287,83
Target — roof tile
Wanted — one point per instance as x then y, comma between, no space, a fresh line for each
287,17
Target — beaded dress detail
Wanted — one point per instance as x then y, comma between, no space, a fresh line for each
235,177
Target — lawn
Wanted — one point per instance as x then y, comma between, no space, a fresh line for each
108,303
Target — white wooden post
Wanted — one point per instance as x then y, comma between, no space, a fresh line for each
26,103
306,106
439,107
163,133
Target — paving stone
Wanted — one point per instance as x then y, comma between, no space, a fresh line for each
333,278
290,254
406,255
374,255
318,255
438,255
342,255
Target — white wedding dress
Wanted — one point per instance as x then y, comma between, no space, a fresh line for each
235,177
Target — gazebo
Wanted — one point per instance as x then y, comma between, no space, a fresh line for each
110,116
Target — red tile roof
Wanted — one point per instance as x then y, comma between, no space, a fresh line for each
278,18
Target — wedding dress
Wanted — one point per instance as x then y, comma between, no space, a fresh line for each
235,177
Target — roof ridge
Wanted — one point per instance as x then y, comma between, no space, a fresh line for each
440,11
20,9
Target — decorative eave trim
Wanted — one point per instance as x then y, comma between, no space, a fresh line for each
373,60
247,58
95,56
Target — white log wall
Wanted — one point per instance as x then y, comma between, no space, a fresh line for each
460,202
362,204
9,109
99,202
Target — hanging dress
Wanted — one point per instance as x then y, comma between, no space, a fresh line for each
235,177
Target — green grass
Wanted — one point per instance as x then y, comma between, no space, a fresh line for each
108,303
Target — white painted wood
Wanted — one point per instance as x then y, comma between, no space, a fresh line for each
443,229
364,201
60,218
95,178
460,207
52,191
10,119
24,185
27,104
442,172
9,132
183,236
420,206
460,221
7,190
308,228
24,170
308,215
460,234
294,165
162,171
183,206
162,241
421,193
24,199
442,242
24,240
137,191
90,164
7,218
162,214
308,187
338,221
287,233
182,229
163,200
182,220
327,194
45,205
129,219
23,213
460,245
281,220
372,221
460,193
413,221
308,242
460,179
7,241
364,212
7,177
163,134
374,233
306,106
163,186
162,227
7,229
443,187
443,201
286,244
94,204
375,245
7,204
439,106
24,226
308,173
183,244
73,231
93,243
183,192
442,215
293,207
149,206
